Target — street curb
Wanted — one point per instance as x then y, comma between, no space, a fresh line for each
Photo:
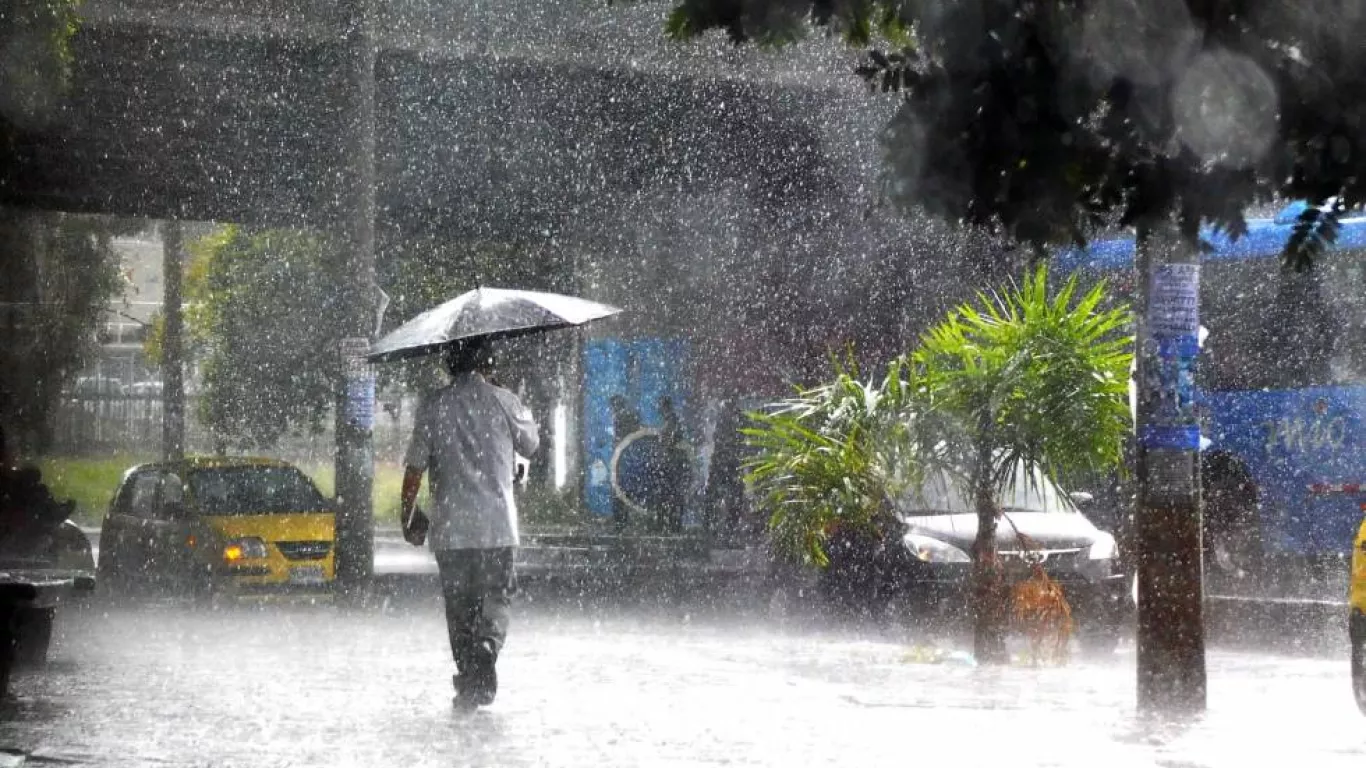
1290,626
381,534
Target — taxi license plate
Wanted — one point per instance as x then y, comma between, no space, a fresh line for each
308,574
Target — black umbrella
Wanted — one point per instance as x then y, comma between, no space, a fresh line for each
485,313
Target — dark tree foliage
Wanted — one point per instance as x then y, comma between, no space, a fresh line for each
259,315
59,273
1049,119
261,320
35,60
58,270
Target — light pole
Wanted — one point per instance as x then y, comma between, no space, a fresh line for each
355,404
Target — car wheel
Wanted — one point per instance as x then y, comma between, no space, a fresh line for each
32,636
203,596
788,587
1104,618
108,579
1358,635
115,583
1100,642
71,549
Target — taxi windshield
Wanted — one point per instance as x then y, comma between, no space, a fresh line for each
254,491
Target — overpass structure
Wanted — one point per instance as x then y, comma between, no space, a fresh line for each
490,116
709,189
633,166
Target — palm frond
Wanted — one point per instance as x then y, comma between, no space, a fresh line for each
1315,231
841,453
1041,379
1047,377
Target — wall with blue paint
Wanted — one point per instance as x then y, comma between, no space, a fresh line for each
643,371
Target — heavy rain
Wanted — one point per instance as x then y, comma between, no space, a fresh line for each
682,382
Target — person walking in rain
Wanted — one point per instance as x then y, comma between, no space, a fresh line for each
676,474
625,422
464,437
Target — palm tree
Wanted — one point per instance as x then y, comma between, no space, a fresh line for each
1021,380
1024,379
836,456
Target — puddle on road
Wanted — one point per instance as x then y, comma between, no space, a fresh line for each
293,685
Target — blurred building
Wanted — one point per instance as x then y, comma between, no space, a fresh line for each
129,316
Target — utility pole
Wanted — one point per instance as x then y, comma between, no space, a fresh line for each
172,345
355,405
1171,634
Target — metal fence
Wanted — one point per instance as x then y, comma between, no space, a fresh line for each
108,423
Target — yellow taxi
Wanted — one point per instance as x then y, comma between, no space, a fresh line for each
1357,625
213,525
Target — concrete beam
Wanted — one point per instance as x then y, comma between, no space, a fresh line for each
247,128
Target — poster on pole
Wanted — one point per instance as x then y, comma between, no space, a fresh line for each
1174,301
359,380
1170,350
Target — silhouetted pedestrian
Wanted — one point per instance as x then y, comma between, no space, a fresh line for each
676,472
625,422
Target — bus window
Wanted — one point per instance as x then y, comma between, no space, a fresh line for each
1273,329
1344,285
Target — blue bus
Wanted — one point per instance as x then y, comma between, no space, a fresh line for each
1281,396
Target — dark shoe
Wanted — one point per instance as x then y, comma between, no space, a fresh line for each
482,672
463,699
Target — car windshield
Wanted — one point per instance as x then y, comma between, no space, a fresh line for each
254,491
1026,492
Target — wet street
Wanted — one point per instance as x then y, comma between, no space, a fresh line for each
298,685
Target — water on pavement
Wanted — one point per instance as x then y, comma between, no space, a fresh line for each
299,685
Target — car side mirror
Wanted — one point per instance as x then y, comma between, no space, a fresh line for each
1081,498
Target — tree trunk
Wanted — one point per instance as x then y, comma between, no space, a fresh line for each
38,361
990,600
1171,640
172,347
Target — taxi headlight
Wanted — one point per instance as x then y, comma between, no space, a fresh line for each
246,548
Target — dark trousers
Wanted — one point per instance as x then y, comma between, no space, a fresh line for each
477,585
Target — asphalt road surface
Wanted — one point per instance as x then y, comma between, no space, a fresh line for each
321,685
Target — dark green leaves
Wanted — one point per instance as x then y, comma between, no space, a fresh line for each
1050,121
59,274
840,453
889,72
773,22
36,35
1315,231
1041,379
259,312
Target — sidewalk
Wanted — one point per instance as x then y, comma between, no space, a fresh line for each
591,562
591,565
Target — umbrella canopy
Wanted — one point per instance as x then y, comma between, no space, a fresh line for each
489,313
